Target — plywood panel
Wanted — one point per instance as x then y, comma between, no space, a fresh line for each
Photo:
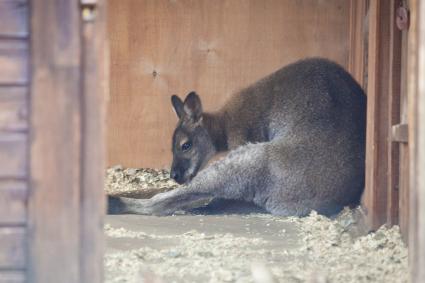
160,48
12,247
13,200
13,61
13,155
13,18
13,109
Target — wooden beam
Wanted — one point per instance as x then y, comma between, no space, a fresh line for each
394,88
376,194
95,87
416,92
55,145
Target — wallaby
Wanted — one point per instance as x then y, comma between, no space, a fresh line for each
296,141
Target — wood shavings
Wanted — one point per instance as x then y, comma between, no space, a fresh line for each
327,250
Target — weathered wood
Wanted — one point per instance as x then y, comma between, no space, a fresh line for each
13,155
13,200
13,109
399,133
160,48
357,56
12,277
12,248
394,88
13,18
55,129
416,92
13,61
95,87
377,163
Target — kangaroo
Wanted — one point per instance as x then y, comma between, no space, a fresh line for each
296,141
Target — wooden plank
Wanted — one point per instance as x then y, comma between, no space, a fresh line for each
13,155
12,247
160,48
416,92
13,200
394,88
95,87
13,109
377,133
12,277
14,18
55,150
358,44
13,61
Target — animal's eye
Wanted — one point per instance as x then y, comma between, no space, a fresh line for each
186,146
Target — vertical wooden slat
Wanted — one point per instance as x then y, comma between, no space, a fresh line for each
393,115
416,92
55,147
95,87
356,63
375,196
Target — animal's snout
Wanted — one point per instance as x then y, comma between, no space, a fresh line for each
177,176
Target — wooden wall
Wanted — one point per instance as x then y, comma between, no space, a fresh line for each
13,139
160,48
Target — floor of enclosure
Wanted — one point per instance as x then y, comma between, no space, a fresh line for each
250,248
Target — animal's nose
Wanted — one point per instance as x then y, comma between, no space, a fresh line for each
175,175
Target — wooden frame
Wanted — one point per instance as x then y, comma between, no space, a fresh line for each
416,96
381,197
66,206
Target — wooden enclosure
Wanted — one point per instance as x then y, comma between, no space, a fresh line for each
54,83
160,48
52,93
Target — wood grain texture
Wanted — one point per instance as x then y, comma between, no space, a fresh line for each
404,202
13,109
358,40
95,87
160,48
416,115
13,18
13,201
12,277
13,61
375,197
13,155
394,93
12,248
55,148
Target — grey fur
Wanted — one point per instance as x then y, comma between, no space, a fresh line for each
296,141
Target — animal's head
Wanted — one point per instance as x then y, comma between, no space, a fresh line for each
192,145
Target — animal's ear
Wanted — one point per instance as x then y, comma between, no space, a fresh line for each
193,106
177,105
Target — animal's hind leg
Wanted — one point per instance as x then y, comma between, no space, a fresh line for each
238,176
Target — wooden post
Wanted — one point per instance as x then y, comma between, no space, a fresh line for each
66,204
416,92
95,87
384,55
